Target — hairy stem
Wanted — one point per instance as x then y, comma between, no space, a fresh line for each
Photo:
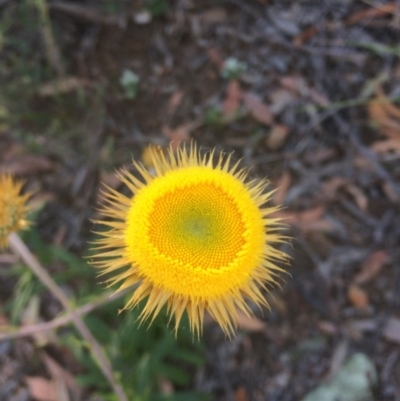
11,332
18,246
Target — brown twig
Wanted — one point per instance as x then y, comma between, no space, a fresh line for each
18,246
87,13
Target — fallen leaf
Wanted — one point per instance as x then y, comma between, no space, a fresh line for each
392,330
300,86
358,297
386,116
370,13
389,191
390,128
174,102
358,196
4,320
241,394
313,30
377,111
215,58
166,387
213,16
110,179
177,135
26,165
282,186
327,327
310,215
304,36
318,98
41,389
391,109
386,146
277,136
60,374
280,99
373,12
39,199
332,186
295,84
250,323
63,85
371,267
232,100
258,109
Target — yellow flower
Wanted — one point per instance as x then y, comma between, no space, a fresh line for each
13,208
194,236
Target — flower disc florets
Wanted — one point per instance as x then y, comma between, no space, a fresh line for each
195,236
13,209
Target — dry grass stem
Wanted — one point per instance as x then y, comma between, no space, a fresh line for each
52,51
11,332
18,246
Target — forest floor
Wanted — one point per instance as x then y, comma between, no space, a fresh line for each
305,93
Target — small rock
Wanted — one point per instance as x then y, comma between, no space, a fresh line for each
352,383
142,17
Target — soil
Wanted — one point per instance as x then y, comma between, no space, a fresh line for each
317,100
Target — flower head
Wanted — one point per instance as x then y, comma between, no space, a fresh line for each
194,236
13,208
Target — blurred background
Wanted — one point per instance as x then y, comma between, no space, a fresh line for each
306,93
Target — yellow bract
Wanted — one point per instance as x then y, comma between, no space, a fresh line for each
13,208
195,236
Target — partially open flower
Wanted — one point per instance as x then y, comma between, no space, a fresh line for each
195,237
13,208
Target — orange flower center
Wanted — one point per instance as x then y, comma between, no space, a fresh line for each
198,225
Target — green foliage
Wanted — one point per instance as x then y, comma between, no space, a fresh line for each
129,82
41,124
377,48
214,116
157,8
142,355
233,68
71,269
26,287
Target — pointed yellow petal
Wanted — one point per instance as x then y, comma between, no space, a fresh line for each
195,237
